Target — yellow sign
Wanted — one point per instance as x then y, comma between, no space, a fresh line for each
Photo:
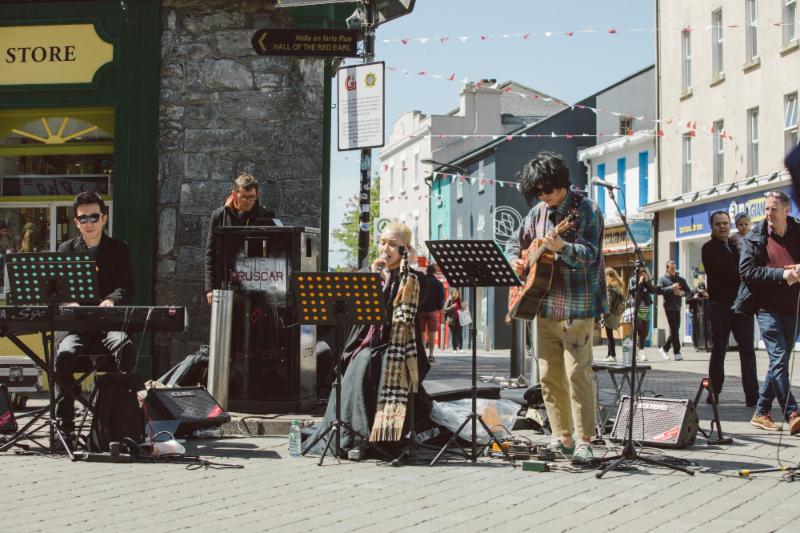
47,55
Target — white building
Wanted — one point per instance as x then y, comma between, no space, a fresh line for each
485,109
728,82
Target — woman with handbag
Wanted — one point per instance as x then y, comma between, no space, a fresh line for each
642,319
616,306
451,311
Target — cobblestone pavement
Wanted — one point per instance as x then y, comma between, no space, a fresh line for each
276,493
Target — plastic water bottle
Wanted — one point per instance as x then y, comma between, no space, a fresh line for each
294,439
627,351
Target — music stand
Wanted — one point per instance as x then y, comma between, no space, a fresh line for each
340,299
49,278
473,264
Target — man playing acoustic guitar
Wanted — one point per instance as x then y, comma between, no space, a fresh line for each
577,295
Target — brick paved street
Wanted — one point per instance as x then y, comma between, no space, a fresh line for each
276,493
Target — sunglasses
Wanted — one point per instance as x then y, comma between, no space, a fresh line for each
94,218
547,189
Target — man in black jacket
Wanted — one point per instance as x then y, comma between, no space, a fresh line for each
721,262
115,283
241,208
674,289
767,267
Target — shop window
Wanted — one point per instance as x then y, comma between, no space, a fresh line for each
47,156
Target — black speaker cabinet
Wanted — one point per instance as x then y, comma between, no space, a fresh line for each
194,407
657,422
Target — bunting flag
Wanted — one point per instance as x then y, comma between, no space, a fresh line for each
526,36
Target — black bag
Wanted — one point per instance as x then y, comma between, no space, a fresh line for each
534,396
117,413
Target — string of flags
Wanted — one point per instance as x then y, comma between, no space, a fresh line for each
660,123
526,36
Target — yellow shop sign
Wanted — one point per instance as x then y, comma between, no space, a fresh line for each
54,54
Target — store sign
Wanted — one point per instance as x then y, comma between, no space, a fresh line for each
53,54
693,221
616,240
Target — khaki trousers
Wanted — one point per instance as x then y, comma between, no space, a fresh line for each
564,348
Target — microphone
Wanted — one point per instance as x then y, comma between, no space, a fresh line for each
601,183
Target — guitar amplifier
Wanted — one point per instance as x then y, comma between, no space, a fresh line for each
7,422
193,407
657,422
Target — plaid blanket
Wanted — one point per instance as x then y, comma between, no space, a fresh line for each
400,374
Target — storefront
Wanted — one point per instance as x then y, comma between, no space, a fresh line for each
693,230
619,253
78,112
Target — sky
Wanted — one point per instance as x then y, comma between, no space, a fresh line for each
565,67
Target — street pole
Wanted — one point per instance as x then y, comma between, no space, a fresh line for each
366,153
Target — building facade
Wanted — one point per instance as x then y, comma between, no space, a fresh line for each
484,109
728,82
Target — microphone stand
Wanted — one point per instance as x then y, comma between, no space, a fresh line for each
629,453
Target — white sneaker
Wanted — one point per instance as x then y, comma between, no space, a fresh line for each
678,357
664,355
641,356
610,359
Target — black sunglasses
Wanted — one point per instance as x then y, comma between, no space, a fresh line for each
547,189
94,218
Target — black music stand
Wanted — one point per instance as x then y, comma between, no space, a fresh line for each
49,278
340,299
473,264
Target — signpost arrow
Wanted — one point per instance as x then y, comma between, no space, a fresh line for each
308,43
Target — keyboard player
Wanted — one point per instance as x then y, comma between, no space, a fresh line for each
115,283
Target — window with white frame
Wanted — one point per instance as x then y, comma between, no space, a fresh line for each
403,171
686,49
390,188
481,177
719,152
752,141
459,187
686,180
751,12
625,125
716,44
417,170
790,121
789,22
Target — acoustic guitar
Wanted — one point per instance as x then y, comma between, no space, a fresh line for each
524,301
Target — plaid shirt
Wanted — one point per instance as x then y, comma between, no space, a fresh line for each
579,287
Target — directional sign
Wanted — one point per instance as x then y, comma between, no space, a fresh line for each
311,43
392,9
380,224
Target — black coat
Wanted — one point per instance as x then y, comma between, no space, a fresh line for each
224,217
115,273
761,284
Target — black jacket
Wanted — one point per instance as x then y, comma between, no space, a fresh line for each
721,263
672,302
115,273
763,287
435,298
645,289
223,217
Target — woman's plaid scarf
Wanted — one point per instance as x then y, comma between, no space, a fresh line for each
400,375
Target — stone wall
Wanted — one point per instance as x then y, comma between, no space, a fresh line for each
223,109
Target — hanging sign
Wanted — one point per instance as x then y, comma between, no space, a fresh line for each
51,54
309,43
361,106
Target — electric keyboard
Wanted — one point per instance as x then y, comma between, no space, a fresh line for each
22,320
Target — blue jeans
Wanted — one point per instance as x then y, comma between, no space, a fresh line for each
777,331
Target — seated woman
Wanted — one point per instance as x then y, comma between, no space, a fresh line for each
382,363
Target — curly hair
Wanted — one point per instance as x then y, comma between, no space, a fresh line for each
546,170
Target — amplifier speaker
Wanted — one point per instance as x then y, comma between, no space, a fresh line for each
193,407
657,422
7,422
